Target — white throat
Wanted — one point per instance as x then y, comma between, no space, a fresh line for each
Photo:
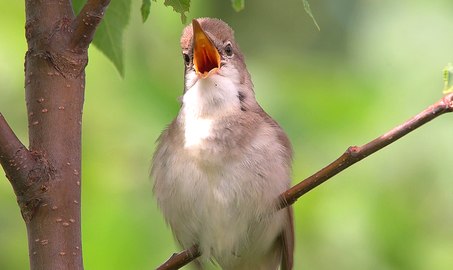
205,101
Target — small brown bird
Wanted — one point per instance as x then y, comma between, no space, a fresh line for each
222,163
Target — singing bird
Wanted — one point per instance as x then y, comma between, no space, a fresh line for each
222,163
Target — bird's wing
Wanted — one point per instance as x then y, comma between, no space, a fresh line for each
287,239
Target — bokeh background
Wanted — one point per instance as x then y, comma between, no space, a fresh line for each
373,65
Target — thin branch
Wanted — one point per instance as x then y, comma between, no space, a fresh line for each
356,153
86,22
178,260
352,155
9,143
14,156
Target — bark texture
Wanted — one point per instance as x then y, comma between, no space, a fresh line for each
46,177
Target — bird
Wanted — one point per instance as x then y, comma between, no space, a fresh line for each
221,164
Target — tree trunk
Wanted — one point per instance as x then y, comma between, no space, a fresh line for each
47,177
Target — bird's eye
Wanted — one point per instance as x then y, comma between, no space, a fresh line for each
186,58
229,49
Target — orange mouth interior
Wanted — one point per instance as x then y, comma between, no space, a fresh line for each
205,55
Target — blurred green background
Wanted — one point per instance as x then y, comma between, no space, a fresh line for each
373,65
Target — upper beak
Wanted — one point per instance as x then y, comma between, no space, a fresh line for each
206,58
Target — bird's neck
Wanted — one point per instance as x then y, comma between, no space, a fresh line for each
205,104
211,98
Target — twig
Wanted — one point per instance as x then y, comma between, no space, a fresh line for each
352,155
356,153
86,23
178,260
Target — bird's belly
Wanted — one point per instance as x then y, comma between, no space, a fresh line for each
220,208
211,205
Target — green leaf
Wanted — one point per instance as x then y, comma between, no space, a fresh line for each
238,5
308,10
109,35
180,6
146,6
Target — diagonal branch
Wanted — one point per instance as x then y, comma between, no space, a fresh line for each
86,22
9,142
14,157
352,155
178,260
356,153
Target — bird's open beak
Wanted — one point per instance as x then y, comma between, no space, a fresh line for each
206,58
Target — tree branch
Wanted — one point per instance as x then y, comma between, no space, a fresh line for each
86,22
23,169
356,153
352,155
178,260
14,157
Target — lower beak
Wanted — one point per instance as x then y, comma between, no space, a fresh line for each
206,58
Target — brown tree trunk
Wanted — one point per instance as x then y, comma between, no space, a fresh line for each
47,177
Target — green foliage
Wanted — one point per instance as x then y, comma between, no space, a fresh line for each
180,6
308,10
109,35
238,5
145,8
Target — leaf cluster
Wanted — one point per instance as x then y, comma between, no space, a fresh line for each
109,35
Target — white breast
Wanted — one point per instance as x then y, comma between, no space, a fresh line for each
206,101
196,130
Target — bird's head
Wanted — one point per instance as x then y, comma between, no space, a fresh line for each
209,50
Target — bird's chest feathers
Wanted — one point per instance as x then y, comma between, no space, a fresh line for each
205,105
196,130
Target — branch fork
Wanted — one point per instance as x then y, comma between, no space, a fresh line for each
84,26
